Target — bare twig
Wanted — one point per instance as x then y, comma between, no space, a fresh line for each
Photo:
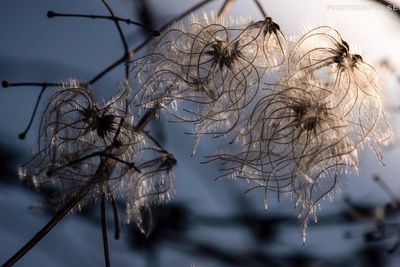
116,218
127,55
225,8
53,14
46,229
104,230
23,134
45,85
7,84
261,8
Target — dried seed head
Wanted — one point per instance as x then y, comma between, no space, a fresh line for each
302,137
210,69
86,144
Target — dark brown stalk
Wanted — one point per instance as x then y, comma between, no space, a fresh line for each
104,230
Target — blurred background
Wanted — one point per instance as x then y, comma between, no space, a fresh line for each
209,223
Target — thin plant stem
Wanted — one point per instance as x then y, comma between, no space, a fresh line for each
103,171
127,55
225,8
147,117
104,230
46,229
107,70
7,84
116,218
52,14
261,8
23,134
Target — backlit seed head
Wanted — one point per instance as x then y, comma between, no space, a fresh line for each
207,70
84,144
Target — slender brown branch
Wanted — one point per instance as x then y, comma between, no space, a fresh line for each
46,229
23,134
104,230
7,84
107,70
53,14
147,117
127,55
44,86
103,172
116,218
225,8
117,25
261,8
